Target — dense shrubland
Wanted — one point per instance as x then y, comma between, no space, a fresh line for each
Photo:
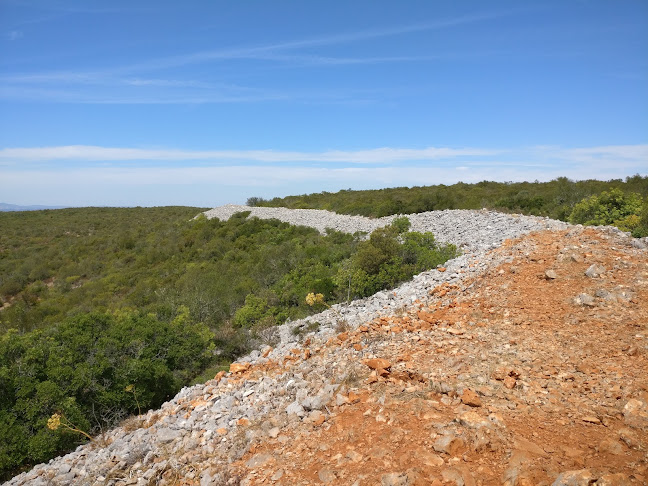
111,310
106,311
626,211
94,369
557,199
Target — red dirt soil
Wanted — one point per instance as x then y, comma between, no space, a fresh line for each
515,377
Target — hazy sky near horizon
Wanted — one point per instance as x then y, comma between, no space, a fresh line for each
202,103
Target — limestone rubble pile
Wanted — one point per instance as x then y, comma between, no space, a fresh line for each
523,362
469,230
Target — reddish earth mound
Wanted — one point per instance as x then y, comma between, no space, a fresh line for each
535,373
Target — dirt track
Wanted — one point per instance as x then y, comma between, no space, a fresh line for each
518,379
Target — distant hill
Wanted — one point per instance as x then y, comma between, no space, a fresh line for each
16,207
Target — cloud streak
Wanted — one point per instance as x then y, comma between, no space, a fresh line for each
14,35
270,51
125,84
541,156
381,155
213,186
370,34
619,152
80,175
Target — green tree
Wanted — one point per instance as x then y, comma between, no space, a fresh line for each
641,230
401,224
82,369
254,309
390,255
612,207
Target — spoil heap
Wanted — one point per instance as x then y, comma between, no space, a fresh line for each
528,366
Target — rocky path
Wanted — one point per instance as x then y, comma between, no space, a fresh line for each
537,374
522,365
469,230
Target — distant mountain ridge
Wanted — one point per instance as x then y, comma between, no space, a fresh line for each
17,207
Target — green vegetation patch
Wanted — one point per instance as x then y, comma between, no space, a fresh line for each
94,369
614,207
110,311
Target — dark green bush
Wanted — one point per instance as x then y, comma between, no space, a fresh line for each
104,298
612,207
401,224
81,368
641,230
388,257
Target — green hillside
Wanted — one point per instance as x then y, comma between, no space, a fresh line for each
108,311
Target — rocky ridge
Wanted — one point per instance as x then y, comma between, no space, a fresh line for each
467,229
521,362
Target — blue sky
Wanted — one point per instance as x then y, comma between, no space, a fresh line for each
203,103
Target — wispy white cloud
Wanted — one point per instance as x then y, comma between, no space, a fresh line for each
371,156
100,79
142,94
315,60
624,152
239,176
212,186
93,88
619,156
370,34
272,51
14,35
95,175
174,83
51,77
117,80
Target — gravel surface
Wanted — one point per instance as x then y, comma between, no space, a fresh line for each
474,232
470,230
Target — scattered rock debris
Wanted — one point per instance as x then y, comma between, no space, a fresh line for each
496,377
